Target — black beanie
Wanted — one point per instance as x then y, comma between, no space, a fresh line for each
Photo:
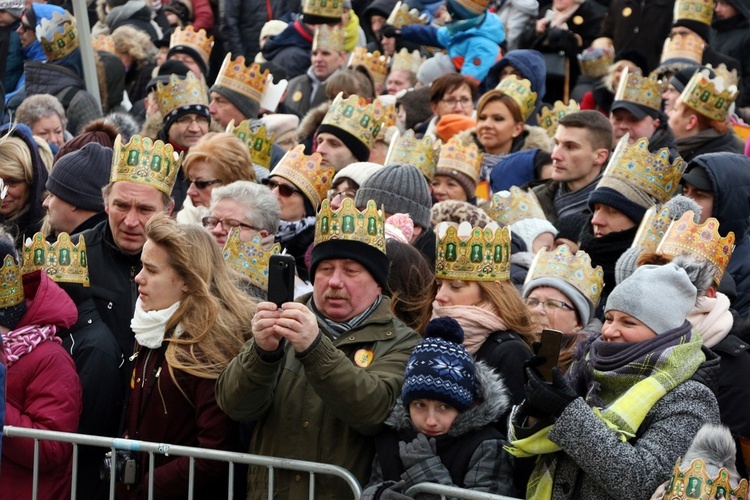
680,79
700,29
184,49
78,177
170,67
248,107
375,261
358,149
196,109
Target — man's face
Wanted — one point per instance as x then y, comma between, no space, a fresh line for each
376,22
680,120
223,111
724,10
510,70
189,62
129,207
574,160
457,101
26,33
325,62
608,219
669,97
62,215
343,289
188,129
6,18
335,153
397,81
624,122
705,199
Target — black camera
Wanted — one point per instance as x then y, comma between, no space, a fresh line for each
126,467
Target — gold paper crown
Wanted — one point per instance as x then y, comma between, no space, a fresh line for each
710,97
330,9
196,40
694,10
355,116
652,229
650,172
11,289
520,91
454,156
63,261
144,161
509,207
181,91
637,89
575,270
687,48
249,258
695,483
376,64
306,173
595,61
699,241
348,223
472,253
248,81
58,35
103,43
404,60
389,117
730,77
422,153
259,143
401,16
549,118
329,38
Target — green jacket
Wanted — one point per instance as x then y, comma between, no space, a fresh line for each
323,407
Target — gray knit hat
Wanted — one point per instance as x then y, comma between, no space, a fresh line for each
400,189
245,105
13,7
78,177
584,307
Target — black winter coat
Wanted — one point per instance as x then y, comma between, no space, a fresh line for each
242,20
732,37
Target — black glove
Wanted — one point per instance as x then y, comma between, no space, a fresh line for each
390,31
419,450
554,397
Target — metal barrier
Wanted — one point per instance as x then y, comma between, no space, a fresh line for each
453,492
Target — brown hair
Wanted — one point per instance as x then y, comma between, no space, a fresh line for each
350,81
448,83
510,308
598,127
411,284
498,95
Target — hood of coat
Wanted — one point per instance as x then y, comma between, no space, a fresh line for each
40,171
47,303
312,120
290,37
531,64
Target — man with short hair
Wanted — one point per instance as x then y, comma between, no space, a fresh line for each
400,79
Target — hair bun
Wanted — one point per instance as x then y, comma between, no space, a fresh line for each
445,328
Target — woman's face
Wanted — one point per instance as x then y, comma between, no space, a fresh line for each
496,128
621,327
292,206
159,285
445,187
342,191
458,293
202,172
17,197
50,129
549,315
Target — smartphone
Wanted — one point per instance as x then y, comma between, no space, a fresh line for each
281,279
550,350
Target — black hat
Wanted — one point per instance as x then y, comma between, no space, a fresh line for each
374,260
698,177
170,67
680,79
638,110
78,177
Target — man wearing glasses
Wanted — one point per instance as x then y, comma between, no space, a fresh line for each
454,94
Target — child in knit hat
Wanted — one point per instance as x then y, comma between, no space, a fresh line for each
442,429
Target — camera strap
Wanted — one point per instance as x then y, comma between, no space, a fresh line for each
160,353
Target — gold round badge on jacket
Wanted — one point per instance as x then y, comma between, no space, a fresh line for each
578,20
297,96
626,12
363,358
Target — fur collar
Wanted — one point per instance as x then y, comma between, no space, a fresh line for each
534,137
312,121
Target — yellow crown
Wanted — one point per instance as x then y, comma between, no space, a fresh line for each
730,77
694,10
389,116
58,36
549,118
180,92
710,97
509,207
103,43
376,64
248,81
11,290
520,91
595,61
650,172
63,261
348,223
455,156
637,89
576,270
196,40
249,258
144,161
696,484
652,229
259,143
422,153
355,116
472,253
401,16
404,60
699,241
306,173
329,9
329,38
687,48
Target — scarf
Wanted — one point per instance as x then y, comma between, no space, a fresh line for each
693,142
489,161
288,230
338,329
712,319
604,251
569,202
459,25
23,340
150,326
477,321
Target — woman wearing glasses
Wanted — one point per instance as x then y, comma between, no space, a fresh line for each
346,182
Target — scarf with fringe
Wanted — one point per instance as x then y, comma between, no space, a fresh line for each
477,321
23,340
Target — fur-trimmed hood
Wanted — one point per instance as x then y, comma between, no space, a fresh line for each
533,137
311,122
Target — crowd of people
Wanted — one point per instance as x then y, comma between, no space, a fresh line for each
452,182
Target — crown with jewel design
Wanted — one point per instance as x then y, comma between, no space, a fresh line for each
576,270
457,157
404,60
104,43
730,77
700,242
144,161
695,483
199,41
355,116
653,227
259,143
248,81
520,91
710,97
11,289
249,258
376,64
509,207
327,9
595,61
181,92
421,153
701,11
58,35
62,260
549,118
472,253
684,48
329,38
348,223
641,90
306,173
402,16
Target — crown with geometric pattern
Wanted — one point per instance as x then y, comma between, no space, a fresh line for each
376,64
701,242
695,483
653,227
549,118
249,258
402,16
348,223
595,61
62,260
104,43
509,207
701,11
248,81
455,156
576,270
355,116
422,153
259,143
329,38
641,90
472,253
199,41
520,91
730,77
144,161
327,9
58,35
306,173
403,60
180,92
683,48
710,97
11,289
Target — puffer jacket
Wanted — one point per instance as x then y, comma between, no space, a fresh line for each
241,22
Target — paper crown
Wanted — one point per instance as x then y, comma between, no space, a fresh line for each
509,207
63,261
401,16
652,229
328,9
390,117
250,81
58,35
104,43
376,64
354,116
180,92
144,161
576,270
595,61
259,143
695,483
652,173
520,91
701,11
710,97
455,156
306,173
422,153
329,38
549,118
348,223
11,289
687,48
641,90
404,60
730,77
199,41
699,241
249,258
472,253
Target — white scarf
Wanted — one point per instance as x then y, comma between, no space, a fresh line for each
150,327
712,318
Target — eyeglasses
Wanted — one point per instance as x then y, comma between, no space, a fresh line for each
285,190
204,184
346,193
190,118
549,304
463,102
212,222
24,27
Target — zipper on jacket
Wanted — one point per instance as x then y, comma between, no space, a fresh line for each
161,395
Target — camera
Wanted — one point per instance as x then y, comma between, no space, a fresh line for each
126,467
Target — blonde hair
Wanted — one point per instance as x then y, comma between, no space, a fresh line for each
509,307
134,43
226,154
45,152
15,159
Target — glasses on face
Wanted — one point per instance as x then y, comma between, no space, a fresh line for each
549,304
285,190
463,102
212,222
346,193
23,28
189,119
204,184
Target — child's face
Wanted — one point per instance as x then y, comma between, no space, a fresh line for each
431,417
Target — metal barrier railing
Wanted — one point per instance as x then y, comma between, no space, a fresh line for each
452,492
